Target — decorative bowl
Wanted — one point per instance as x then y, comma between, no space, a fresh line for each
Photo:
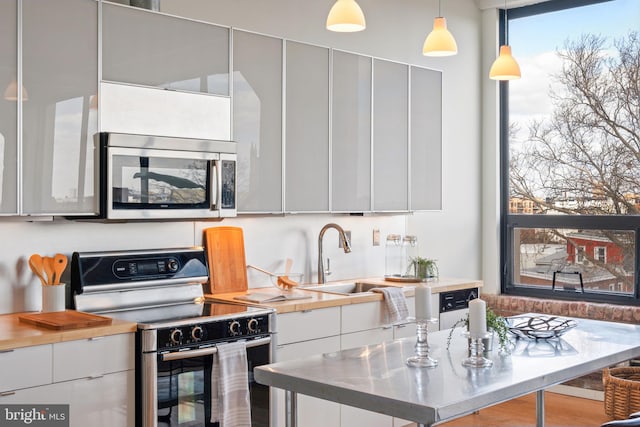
539,327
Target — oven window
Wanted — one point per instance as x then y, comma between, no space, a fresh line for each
159,183
183,393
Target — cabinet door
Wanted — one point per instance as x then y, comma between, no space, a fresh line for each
36,360
100,355
8,108
426,139
356,417
103,401
312,412
257,121
351,133
390,136
152,49
308,325
307,128
61,78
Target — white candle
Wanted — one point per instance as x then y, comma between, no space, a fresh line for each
423,302
477,317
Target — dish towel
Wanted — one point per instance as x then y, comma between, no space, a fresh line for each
230,402
395,302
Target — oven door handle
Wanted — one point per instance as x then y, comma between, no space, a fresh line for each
207,351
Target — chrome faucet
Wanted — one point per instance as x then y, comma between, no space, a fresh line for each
346,246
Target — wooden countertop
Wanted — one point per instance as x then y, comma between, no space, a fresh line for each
323,300
15,334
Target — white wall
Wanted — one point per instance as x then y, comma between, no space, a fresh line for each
396,31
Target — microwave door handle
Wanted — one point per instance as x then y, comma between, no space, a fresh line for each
215,180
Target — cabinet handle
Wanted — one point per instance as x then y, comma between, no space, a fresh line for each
402,325
94,377
7,351
387,326
7,393
306,311
95,338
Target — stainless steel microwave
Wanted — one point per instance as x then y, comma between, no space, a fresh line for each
163,178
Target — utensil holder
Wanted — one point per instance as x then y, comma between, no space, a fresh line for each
476,348
422,359
53,298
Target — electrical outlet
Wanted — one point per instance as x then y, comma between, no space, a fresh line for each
376,237
346,233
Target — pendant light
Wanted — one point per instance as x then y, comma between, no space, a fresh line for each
440,41
505,66
11,92
346,17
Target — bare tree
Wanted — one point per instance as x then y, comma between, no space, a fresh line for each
589,149
585,158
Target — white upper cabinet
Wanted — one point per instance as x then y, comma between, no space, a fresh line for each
257,121
307,128
8,108
426,139
390,136
59,57
152,49
351,133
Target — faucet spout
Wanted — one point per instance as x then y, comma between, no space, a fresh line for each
346,246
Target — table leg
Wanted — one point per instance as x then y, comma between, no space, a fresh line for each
291,408
540,408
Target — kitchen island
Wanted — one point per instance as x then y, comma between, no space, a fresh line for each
377,378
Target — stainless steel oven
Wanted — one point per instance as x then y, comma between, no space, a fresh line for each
150,177
176,368
179,333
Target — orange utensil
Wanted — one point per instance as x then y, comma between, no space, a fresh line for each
59,264
36,264
47,264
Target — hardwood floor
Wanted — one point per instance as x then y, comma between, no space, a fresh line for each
560,411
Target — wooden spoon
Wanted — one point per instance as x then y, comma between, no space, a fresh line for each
36,264
59,264
47,263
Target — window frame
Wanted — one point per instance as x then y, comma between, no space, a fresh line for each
509,222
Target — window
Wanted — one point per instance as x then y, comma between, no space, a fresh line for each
571,152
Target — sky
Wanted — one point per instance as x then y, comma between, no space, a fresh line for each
534,41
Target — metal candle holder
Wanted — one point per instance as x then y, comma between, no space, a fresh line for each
422,359
476,349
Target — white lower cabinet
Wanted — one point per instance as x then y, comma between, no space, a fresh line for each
106,400
95,377
305,333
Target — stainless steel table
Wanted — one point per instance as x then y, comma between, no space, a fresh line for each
376,377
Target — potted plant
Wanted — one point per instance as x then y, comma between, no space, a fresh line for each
495,323
423,268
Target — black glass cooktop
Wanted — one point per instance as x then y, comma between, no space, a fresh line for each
185,313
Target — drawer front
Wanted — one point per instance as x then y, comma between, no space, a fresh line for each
93,357
360,317
308,325
368,337
105,401
25,367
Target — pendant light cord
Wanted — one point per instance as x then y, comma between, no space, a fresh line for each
506,24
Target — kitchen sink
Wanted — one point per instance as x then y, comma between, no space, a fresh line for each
344,288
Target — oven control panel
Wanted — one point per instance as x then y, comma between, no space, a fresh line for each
199,334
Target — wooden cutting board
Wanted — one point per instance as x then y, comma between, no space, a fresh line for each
63,320
227,262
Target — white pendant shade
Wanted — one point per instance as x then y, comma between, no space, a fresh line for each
346,17
505,66
11,92
440,41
